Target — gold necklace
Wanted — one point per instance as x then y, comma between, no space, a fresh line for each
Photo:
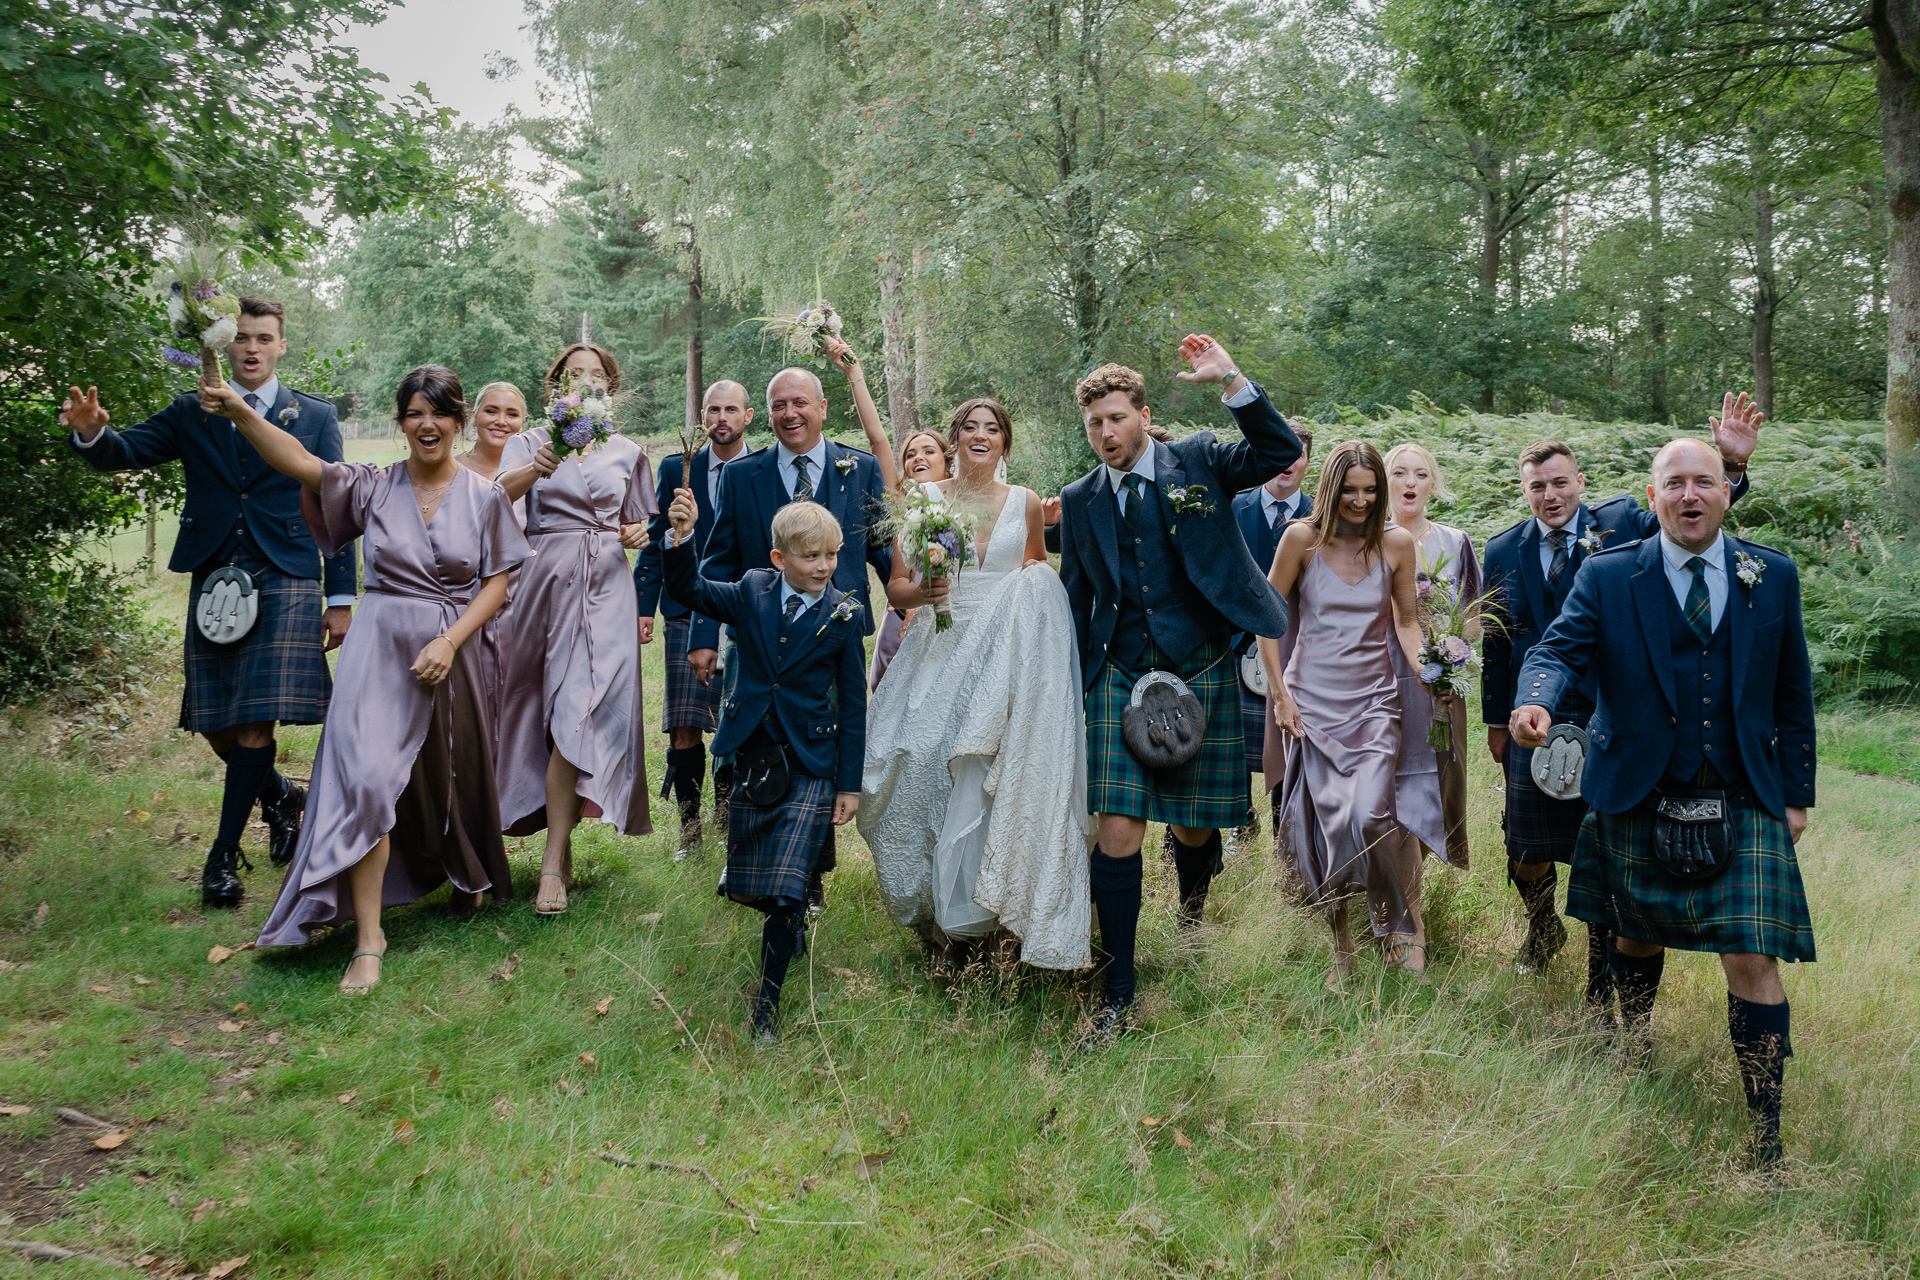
425,498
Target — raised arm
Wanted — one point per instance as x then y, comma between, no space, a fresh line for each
869,413
708,598
281,451
149,444
518,479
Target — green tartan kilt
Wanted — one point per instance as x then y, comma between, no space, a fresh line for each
1210,790
1758,906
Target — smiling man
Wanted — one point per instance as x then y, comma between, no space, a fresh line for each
1702,766
243,513
1529,569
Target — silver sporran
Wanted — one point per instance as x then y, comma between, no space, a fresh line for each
229,605
1253,673
1559,762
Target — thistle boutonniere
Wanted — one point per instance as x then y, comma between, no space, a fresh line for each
288,414
1748,568
1190,498
845,466
1592,540
844,611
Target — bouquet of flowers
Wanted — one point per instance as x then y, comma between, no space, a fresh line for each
936,536
806,331
1448,662
582,415
202,316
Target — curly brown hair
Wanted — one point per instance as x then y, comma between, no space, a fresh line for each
605,357
1109,378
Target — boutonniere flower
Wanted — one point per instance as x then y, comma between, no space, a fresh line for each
1591,541
845,466
1748,568
844,611
1185,499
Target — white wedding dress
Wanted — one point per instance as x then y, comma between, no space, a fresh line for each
974,801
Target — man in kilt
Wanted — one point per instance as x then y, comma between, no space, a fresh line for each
241,512
1529,569
1158,577
800,697
1701,769
692,705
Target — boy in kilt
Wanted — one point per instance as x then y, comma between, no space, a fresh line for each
801,692
1692,643
1530,569
691,707
1158,577
241,512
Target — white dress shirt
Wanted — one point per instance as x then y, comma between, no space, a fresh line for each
808,599
816,465
1680,578
1546,548
1281,509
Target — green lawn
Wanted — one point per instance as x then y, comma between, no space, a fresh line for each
453,1124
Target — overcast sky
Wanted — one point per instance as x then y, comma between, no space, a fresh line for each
446,43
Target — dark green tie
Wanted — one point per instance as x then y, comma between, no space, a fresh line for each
1558,565
1130,505
1699,609
802,487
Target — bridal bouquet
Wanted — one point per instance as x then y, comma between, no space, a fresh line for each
806,331
936,536
1447,660
201,315
582,415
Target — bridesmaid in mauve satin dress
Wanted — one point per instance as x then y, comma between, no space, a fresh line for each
572,732
1337,696
402,795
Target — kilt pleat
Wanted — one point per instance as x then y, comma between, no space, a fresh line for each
1210,790
1759,905
688,703
277,672
771,851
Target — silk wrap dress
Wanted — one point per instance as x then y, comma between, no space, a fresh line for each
396,756
573,677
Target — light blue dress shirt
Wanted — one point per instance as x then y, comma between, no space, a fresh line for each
1546,550
1680,578
816,467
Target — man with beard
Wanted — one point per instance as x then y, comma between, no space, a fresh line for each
692,705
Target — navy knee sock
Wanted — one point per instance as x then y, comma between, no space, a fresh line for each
1536,895
782,937
1195,865
1115,883
247,770
1762,1043
1599,970
686,774
1636,979
274,789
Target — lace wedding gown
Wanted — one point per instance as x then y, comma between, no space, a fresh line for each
974,801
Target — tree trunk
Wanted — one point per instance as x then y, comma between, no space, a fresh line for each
696,352
1656,290
925,369
1896,35
1488,165
1766,288
901,410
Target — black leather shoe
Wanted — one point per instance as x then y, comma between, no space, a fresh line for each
283,823
220,883
1546,935
766,1024
816,894
1109,1024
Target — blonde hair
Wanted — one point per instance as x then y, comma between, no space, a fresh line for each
805,526
1425,455
492,387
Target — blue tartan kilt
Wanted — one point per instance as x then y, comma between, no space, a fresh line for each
276,672
771,851
1210,790
1538,827
1758,906
1253,713
688,703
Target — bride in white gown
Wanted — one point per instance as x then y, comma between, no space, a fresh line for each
974,801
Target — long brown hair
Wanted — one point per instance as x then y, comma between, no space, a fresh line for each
900,451
605,357
960,415
1326,499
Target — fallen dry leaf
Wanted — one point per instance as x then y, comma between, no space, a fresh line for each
652,917
240,1008
227,1268
589,1061
1149,1121
346,1099
14,1109
108,1141
40,914
505,972
139,981
219,954
100,989
603,1007
500,934
842,973
1182,1139
145,1260
177,1039
403,1132
231,1026
433,1076
273,1037
659,1000
868,1165
204,1208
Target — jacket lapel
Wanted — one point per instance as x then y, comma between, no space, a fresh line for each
834,484
804,640
1739,616
766,617
1532,579
1104,516
1650,596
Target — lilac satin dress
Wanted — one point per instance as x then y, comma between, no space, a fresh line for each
495,641
1449,552
1340,823
396,756
573,677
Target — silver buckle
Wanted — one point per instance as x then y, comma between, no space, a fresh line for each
1692,809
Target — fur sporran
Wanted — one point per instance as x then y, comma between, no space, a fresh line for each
1164,725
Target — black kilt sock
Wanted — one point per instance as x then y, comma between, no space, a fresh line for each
1115,883
247,770
686,774
1599,970
782,937
1636,979
1762,1043
1536,895
274,789
1195,865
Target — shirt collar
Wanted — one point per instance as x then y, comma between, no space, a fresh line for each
1142,467
807,600
269,394
1572,527
816,456
1268,502
1677,556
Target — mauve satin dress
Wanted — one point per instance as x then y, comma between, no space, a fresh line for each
1449,551
394,755
573,680
1345,804
495,641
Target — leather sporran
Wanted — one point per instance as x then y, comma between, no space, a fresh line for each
761,775
1693,833
229,605
1164,725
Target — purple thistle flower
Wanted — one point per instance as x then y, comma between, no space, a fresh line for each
178,358
1431,673
204,290
577,434
557,411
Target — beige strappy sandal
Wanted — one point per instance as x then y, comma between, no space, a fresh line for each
361,988
551,906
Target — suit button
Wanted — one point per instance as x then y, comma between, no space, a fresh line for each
1705,702
1707,675
1707,724
243,497
1141,564
776,688
1671,722
1149,613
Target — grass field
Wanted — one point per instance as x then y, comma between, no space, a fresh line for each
454,1123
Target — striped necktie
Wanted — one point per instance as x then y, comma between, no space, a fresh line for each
802,485
1558,541
1130,506
1699,609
